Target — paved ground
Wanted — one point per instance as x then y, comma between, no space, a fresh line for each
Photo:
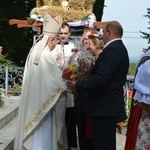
120,141
13,102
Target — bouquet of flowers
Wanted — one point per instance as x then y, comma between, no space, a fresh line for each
78,65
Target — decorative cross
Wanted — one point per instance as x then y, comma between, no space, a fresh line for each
45,21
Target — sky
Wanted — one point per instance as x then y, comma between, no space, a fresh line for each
130,14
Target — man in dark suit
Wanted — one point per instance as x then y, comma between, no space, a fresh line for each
105,102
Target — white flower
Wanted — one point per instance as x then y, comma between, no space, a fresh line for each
36,17
64,3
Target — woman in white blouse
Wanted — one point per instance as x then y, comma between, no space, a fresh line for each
138,135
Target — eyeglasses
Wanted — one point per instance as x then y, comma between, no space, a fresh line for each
57,39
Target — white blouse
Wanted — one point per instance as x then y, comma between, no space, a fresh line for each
142,82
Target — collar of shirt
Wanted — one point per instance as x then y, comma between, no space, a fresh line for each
111,42
66,43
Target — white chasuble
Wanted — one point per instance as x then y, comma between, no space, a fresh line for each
41,89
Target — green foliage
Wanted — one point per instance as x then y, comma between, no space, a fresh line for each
132,69
16,42
147,35
125,125
1,97
4,60
98,9
16,90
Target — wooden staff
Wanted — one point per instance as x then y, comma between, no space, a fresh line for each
25,23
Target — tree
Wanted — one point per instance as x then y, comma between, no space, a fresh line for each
132,69
16,42
98,9
147,35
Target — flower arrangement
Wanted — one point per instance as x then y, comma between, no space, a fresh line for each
70,71
78,66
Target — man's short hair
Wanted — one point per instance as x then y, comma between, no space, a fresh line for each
64,24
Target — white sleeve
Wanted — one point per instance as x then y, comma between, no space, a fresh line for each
142,83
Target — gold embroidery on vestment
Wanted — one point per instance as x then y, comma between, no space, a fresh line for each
43,108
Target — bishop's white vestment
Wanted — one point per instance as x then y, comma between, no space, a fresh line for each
42,105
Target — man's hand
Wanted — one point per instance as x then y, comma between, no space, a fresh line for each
71,86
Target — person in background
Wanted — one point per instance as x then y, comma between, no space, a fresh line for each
96,45
138,133
62,52
1,50
82,121
40,120
105,104
85,36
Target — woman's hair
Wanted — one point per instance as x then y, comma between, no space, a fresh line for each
96,40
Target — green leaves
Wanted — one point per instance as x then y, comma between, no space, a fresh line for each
16,42
4,60
98,9
147,35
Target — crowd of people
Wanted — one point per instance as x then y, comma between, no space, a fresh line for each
105,102
53,111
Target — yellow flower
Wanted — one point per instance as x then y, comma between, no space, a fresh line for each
73,69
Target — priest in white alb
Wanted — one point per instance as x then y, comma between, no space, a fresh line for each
40,123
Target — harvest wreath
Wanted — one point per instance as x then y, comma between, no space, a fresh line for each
75,12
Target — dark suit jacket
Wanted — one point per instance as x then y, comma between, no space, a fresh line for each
105,85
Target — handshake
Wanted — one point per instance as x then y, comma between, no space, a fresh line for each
71,86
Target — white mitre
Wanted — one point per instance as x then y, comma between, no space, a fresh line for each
50,29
